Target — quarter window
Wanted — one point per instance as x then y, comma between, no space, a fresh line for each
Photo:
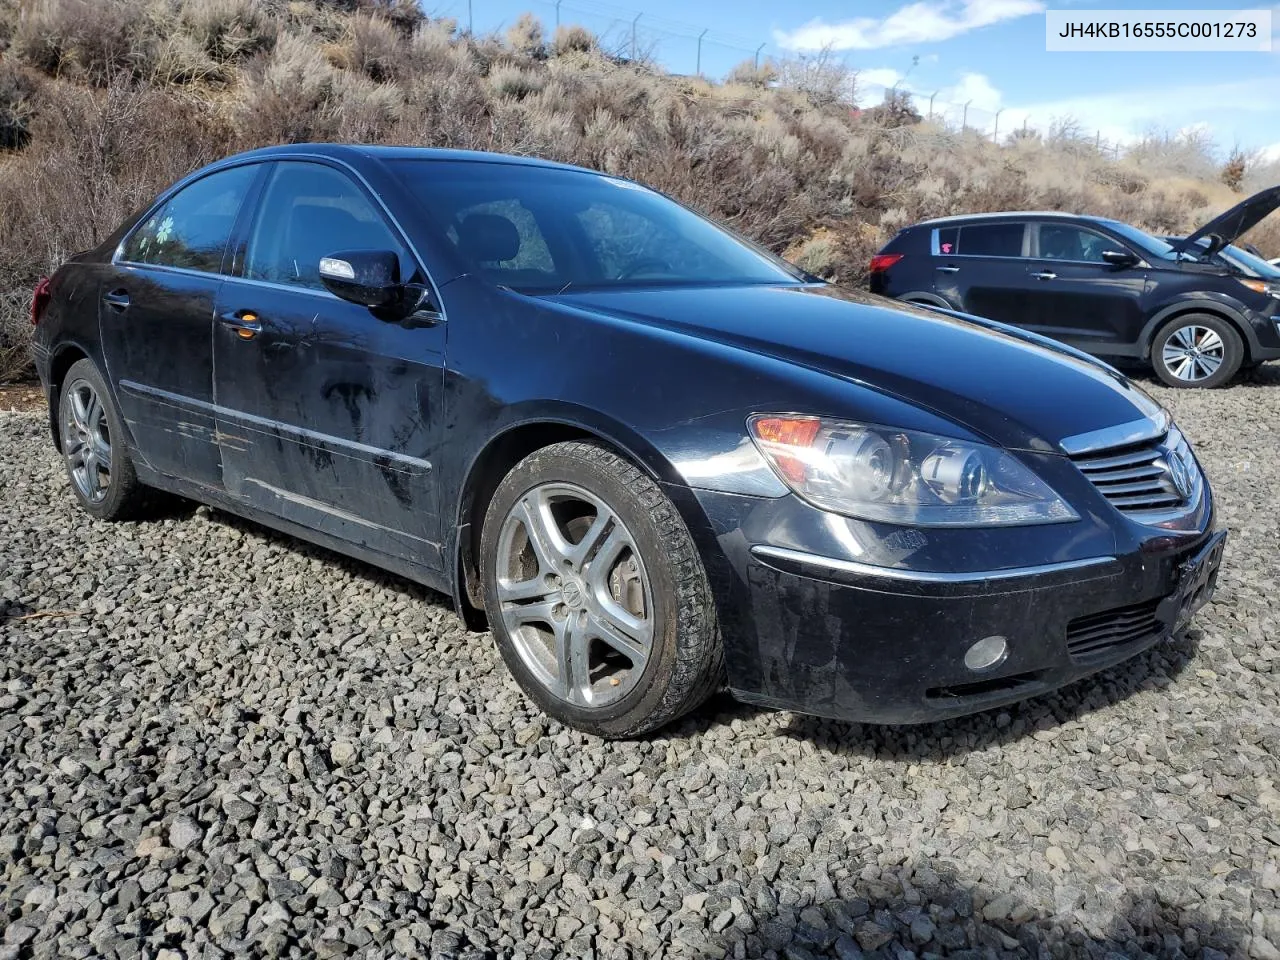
1065,242
309,211
991,240
191,229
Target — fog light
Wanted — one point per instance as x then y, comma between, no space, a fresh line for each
986,653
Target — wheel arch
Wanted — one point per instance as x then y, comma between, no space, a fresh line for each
925,299
61,359
499,455
1213,308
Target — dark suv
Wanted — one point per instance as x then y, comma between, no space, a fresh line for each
1100,285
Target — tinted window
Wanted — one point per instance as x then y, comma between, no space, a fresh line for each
191,229
1140,239
991,240
948,240
1061,241
309,211
540,230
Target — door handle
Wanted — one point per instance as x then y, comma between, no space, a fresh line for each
948,269
1045,275
117,299
246,323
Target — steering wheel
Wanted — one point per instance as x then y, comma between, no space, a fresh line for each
646,265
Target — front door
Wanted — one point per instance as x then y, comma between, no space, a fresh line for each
156,315
1076,296
328,416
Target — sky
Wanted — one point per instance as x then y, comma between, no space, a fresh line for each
989,53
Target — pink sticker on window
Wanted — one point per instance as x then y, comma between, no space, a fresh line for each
946,248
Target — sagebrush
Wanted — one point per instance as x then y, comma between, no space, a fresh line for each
104,102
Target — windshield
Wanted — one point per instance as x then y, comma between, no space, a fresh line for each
1246,261
1141,239
542,230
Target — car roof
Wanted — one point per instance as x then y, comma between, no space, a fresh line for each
1007,214
355,152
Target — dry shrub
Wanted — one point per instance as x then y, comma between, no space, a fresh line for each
17,88
79,38
517,82
574,39
525,37
372,46
283,96
229,30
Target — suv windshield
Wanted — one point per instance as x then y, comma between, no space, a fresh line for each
1144,241
542,230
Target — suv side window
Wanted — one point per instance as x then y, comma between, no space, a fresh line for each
308,211
1064,241
192,228
991,240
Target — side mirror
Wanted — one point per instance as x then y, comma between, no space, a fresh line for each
370,278
1119,258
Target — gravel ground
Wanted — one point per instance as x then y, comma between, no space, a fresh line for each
215,741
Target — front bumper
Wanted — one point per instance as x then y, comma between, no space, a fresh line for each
858,642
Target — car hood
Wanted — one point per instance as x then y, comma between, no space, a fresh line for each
1237,221
1017,389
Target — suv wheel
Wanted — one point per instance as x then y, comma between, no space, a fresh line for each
1197,350
596,593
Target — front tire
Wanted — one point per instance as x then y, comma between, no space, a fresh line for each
93,446
596,593
1197,350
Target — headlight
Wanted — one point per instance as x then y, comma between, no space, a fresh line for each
1260,286
901,476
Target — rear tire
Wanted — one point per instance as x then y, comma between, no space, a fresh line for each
1197,350
94,449
596,593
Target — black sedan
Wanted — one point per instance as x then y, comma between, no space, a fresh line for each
654,458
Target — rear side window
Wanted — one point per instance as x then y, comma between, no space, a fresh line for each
309,211
192,228
991,240
948,241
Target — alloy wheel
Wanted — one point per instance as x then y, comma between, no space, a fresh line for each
574,594
1193,353
86,441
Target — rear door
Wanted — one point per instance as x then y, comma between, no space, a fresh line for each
328,415
157,322
1078,297
981,267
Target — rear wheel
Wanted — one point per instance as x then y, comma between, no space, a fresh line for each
596,593
97,458
1197,350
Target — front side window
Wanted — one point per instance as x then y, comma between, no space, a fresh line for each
1062,241
541,230
191,229
309,211
991,240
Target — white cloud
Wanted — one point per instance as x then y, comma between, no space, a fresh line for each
1270,153
975,89
1123,116
879,77
926,21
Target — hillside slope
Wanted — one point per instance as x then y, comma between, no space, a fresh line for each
104,102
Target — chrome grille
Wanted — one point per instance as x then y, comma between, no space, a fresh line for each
1145,479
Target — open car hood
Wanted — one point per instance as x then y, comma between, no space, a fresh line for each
1237,221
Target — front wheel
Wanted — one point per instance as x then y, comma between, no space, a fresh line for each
596,593
1197,350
